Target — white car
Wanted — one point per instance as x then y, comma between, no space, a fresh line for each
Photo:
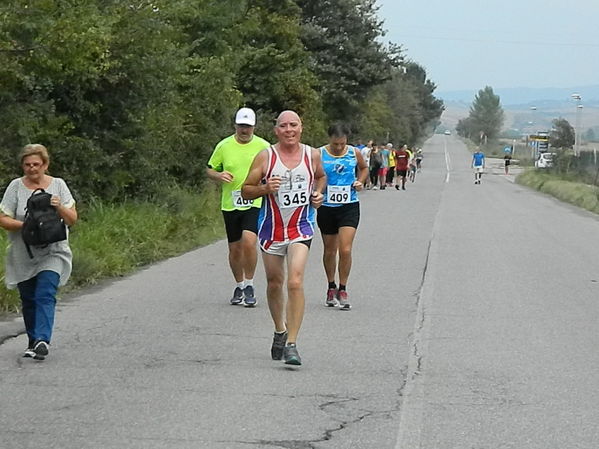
447,132
545,160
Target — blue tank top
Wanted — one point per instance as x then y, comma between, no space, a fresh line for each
341,175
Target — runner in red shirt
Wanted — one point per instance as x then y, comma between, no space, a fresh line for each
402,159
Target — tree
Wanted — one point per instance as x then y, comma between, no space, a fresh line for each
562,134
486,115
347,56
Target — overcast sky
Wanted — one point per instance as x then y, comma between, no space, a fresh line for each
468,44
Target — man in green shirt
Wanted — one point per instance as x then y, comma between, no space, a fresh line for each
229,165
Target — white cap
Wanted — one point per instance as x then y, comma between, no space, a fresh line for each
245,116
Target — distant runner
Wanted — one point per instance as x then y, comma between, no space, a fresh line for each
478,164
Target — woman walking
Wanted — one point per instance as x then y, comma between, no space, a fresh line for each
37,271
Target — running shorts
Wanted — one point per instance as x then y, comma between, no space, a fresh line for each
281,248
402,173
237,221
330,219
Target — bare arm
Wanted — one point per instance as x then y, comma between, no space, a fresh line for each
362,172
320,179
68,214
9,223
218,176
253,187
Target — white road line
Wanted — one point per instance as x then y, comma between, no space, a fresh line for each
447,162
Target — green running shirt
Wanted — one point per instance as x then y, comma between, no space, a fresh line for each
236,158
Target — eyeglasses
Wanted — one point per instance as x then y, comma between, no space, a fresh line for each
32,164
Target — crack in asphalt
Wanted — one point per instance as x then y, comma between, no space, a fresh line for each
328,433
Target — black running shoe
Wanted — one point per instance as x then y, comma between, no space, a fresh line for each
41,350
237,296
278,344
249,298
291,355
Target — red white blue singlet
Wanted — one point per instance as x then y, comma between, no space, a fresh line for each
287,215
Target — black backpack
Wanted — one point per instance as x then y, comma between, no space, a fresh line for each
43,225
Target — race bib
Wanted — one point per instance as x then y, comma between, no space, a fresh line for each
338,194
293,197
239,201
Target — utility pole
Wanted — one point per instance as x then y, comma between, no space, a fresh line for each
578,98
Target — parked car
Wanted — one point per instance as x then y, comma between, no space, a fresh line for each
545,160
447,132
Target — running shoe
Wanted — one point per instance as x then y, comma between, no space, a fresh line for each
396,187
291,355
237,296
40,350
249,298
343,299
331,301
278,344
29,352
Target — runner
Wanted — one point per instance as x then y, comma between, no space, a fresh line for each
386,157
229,165
376,163
411,166
419,159
507,159
339,215
402,160
478,164
290,177
366,152
391,167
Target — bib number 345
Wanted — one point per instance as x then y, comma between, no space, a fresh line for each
290,198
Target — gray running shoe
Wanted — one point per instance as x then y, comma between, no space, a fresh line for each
278,344
331,301
343,299
248,294
237,296
291,355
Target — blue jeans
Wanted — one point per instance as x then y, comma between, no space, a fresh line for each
38,297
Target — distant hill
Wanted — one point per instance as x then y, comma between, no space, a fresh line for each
529,96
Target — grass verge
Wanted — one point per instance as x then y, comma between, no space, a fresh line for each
113,240
576,193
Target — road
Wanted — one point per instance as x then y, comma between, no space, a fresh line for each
474,325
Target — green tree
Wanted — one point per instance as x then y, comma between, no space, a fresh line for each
562,135
486,115
347,56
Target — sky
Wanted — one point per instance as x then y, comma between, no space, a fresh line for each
470,44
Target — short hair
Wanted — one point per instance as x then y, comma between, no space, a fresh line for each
339,130
34,149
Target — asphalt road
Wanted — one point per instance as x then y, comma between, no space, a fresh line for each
474,325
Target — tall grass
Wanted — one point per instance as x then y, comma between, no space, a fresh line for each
112,240
576,193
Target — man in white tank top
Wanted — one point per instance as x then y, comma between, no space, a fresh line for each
290,177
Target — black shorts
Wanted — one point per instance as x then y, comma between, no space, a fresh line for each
330,219
402,173
237,221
